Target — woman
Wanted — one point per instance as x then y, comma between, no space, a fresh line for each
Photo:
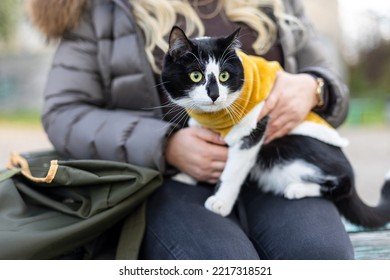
101,101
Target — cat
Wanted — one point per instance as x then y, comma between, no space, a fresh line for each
224,89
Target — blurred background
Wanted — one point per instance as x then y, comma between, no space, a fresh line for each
357,36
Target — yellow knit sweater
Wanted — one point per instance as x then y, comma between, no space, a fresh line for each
259,77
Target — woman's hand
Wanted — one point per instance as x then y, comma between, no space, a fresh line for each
291,99
198,152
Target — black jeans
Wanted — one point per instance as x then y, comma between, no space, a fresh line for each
180,227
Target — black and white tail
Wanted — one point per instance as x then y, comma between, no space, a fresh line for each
359,213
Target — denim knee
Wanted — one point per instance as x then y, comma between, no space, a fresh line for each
305,229
180,227
198,247
321,248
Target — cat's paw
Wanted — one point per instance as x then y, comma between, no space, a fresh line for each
301,190
218,206
184,178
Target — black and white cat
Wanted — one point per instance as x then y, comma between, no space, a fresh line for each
209,77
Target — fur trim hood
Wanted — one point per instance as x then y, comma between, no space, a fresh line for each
54,17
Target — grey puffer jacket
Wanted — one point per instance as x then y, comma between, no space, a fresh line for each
101,99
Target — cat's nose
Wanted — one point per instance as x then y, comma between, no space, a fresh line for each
212,89
214,96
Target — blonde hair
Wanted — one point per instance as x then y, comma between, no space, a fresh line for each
156,17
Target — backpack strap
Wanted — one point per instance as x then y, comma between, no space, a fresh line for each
8,173
132,234
18,164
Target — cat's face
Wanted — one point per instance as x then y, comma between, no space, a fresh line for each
202,74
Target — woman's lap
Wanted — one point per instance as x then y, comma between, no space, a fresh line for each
179,227
308,228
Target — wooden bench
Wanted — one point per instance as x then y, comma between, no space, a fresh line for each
369,244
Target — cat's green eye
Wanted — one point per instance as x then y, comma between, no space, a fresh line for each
224,76
196,76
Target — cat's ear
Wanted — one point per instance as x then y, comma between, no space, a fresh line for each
179,44
232,42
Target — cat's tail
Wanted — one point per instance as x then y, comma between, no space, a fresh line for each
359,213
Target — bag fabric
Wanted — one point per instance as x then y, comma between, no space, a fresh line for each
50,207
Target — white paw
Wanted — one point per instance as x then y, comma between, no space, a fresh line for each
184,178
218,206
301,190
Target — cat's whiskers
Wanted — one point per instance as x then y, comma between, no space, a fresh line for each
201,57
224,60
166,105
161,83
240,107
179,118
234,111
174,109
224,54
240,110
196,59
236,43
182,114
182,117
228,111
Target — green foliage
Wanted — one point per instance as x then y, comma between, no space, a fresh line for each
367,111
370,77
369,85
9,12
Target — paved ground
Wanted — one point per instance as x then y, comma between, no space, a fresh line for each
369,152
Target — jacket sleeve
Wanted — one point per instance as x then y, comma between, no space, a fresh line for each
312,58
76,117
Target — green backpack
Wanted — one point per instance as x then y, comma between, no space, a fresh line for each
51,206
